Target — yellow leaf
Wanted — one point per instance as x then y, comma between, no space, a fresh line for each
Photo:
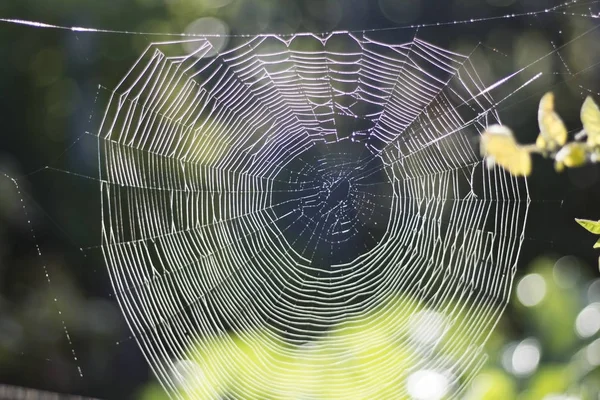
597,244
590,117
553,133
571,155
540,142
520,163
559,167
591,226
498,146
497,139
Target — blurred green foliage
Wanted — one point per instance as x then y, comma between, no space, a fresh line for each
547,358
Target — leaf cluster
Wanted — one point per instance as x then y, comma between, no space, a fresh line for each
498,145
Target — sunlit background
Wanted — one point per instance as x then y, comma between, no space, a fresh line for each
57,314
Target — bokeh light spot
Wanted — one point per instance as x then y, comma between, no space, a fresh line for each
187,372
588,321
526,357
216,31
593,353
558,396
427,385
531,290
566,271
427,326
593,292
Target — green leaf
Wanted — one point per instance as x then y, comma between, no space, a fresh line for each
597,244
592,226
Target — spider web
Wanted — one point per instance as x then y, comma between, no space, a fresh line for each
309,203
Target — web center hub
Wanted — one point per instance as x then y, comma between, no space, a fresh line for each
333,202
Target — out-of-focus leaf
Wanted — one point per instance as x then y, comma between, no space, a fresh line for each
553,319
553,133
571,155
590,225
498,146
552,379
492,384
590,117
597,244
